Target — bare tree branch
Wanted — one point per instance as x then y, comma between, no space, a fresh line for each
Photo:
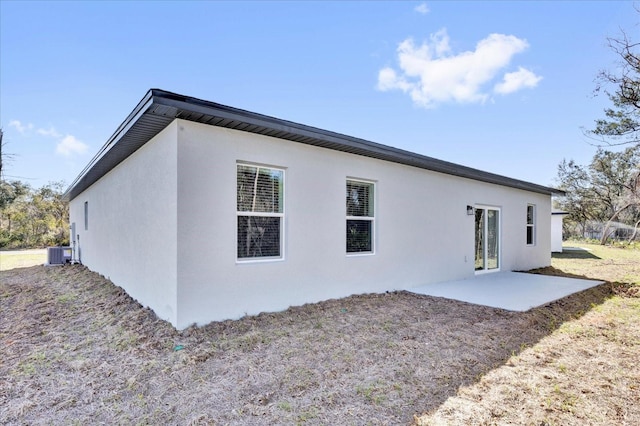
621,124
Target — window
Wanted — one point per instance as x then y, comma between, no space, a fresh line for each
360,216
531,224
86,215
260,212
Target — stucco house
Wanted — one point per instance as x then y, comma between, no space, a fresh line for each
205,212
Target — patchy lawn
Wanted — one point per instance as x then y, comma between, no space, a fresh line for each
22,258
584,373
75,349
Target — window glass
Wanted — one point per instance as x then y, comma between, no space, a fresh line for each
529,215
359,199
258,236
529,235
260,189
86,215
359,236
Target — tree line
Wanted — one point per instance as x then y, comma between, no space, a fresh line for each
602,195
33,217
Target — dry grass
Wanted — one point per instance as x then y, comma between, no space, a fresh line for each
75,349
22,258
584,373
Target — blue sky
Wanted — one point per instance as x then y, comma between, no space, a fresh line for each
500,86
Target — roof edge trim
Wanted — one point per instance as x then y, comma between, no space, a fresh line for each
175,106
144,104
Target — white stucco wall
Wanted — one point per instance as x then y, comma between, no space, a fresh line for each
556,233
131,238
423,232
162,225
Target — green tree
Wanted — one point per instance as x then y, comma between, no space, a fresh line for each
33,218
580,200
10,193
10,190
607,190
616,181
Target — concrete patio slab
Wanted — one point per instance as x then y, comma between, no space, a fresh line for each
513,291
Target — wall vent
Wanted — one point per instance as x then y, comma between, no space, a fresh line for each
58,255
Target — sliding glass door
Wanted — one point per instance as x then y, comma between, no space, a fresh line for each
487,239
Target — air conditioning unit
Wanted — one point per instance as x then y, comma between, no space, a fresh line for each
59,255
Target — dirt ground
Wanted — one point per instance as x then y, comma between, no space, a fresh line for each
75,349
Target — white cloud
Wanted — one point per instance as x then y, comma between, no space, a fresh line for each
422,8
431,74
388,79
21,128
49,132
514,81
69,145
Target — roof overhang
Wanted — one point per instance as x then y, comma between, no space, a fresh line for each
158,108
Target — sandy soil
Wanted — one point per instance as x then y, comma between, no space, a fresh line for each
75,349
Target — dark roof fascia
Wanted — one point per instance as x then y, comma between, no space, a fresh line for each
171,105
82,180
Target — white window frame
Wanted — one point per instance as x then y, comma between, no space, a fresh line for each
531,225
485,232
371,219
280,215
